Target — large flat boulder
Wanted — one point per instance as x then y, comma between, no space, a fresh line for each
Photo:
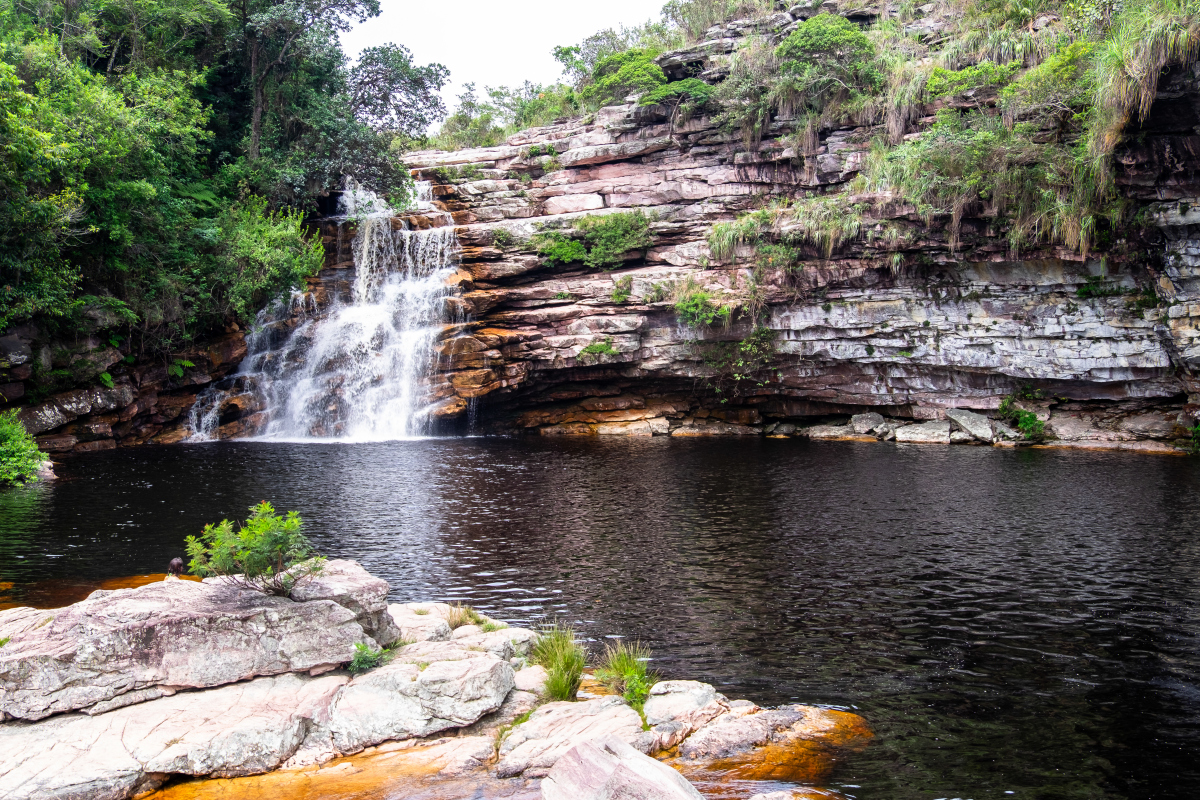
246,728
737,733
132,645
534,746
675,709
420,622
608,768
241,729
404,700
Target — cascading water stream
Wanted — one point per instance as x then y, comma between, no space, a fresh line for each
359,370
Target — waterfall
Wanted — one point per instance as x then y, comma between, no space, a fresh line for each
357,370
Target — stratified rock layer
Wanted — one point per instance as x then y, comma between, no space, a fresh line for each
132,645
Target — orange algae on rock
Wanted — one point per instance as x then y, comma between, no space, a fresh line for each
445,769
60,593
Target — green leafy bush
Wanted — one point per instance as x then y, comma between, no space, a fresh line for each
611,236
622,669
621,74
268,553
367,658
947,83
691,93
20,458
696,309
556,248
563,657
606,239
738,368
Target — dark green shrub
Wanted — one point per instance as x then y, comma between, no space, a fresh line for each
563,658
268,553
1098,286
738,368
944,82
19,455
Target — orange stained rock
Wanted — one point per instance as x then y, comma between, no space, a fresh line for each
59,593
408,770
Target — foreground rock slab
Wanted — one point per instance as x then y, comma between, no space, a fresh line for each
235,730
246,728
132,645
607,769
534,746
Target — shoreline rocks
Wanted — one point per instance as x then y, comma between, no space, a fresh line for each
128,689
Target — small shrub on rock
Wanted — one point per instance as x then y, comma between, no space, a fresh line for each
268,553
367,658
623,670
1026,422
563,658
20,458
696,309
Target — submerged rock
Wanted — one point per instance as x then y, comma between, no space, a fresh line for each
607,768
132,645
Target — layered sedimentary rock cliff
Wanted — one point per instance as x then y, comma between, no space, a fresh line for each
896,322
902,317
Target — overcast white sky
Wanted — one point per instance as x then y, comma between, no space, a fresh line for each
493,43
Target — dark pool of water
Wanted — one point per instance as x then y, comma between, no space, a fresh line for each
1014,624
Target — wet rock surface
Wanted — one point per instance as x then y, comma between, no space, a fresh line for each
607,768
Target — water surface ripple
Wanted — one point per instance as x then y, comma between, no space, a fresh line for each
1014,624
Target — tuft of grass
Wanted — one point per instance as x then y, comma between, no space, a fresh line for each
492,625
420,612
461,614
557,650
623,670
504,730
5,640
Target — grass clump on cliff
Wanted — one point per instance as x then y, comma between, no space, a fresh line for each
20,458
623,669
1026,422
601,348
563,658
268,553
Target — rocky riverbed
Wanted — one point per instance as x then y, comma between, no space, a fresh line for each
132,691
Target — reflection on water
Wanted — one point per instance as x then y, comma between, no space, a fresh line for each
1020,622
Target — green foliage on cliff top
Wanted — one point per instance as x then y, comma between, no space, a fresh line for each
268,553
19,455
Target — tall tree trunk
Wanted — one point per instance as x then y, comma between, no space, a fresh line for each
257,82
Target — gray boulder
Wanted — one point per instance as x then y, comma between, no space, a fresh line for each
607,769
977,425
937,432
865,423
132,645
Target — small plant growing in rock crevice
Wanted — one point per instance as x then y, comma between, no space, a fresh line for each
1026,422
268,553
557,650
367,658
604,348
696,309
623,670
622,289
